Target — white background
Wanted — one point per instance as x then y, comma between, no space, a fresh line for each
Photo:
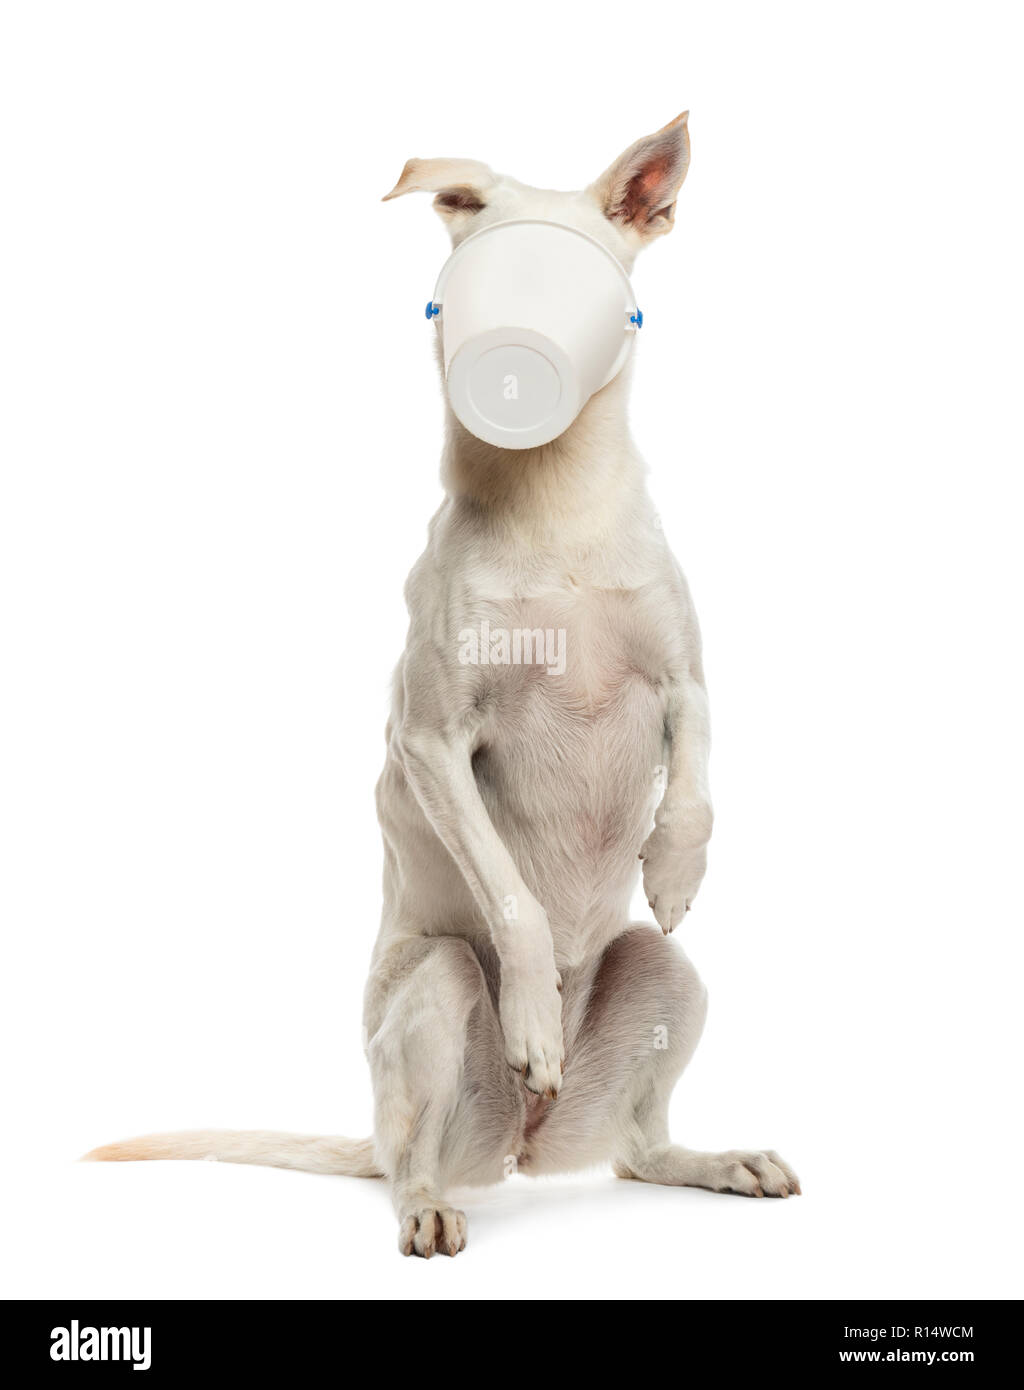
220,435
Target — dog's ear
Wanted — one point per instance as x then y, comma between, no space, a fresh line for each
461,185
638,193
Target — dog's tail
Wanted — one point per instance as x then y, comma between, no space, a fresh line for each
309,1153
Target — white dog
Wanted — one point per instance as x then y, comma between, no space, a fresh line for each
515,1017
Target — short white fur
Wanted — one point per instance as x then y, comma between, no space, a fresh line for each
516,804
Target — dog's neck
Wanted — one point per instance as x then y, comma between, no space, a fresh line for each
575,489
579,488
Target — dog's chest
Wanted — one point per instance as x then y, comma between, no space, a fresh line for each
569,749
575,653
582,732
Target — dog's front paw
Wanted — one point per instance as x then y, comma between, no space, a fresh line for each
531,1021
675,855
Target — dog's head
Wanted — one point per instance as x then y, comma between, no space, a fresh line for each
631,203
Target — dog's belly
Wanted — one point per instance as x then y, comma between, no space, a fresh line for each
570,771
569,766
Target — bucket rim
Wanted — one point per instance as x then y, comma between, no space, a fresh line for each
528,222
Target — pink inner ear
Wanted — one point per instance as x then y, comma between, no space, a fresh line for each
643,193
655,174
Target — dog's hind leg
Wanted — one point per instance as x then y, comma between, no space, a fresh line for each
447,1108
629,1037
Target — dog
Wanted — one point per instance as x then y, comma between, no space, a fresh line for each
515,1019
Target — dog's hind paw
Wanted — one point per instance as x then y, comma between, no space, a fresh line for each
760,1173
433,1230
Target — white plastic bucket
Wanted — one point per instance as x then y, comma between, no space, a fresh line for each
534,318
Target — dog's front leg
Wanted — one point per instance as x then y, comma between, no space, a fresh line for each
438,767
675,853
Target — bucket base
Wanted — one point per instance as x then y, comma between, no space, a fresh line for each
513,387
